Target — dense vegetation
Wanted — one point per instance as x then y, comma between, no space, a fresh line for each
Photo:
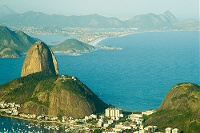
72,46
21,90
184,120
42,93
180,109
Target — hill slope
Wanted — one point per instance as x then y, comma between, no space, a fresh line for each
42,91
13,43
52,95
71,46
180,109
6,11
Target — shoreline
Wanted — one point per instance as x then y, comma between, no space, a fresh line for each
31,120
95,42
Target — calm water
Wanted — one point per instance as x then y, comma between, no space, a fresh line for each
135,78
52,39
19,126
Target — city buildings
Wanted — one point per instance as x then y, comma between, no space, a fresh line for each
113,113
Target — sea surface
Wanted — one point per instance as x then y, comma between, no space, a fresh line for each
135,78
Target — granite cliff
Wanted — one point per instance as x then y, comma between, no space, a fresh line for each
39,58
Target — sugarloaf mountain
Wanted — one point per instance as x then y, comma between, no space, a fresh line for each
42,91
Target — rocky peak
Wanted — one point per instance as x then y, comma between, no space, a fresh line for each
170,17
185,96
39,58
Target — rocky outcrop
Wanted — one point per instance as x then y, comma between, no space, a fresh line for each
184,96
179,109
39,58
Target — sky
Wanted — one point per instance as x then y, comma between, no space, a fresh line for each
122,9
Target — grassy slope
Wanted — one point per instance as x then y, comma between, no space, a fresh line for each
180,109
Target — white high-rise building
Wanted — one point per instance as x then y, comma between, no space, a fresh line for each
118,113
112,112
175,130
168,130
107,112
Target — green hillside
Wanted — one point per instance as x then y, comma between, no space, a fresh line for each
71,46
14,43
180,109
52,95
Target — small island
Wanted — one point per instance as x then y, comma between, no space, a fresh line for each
109,47
72,47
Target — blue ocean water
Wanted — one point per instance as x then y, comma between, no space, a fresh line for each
135,78
52,39
13,125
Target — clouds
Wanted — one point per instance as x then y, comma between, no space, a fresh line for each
117,8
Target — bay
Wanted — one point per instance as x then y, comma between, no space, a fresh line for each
52,39
13,125
135,78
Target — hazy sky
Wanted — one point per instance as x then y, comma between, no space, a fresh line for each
123,9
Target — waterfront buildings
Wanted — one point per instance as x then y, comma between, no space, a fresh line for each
113,113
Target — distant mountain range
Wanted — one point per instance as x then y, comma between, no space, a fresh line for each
142,22
5,11
166,20
14,43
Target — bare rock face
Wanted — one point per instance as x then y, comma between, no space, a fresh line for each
39,58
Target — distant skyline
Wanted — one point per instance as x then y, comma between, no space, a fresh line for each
182,9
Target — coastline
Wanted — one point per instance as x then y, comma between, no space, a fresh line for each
28,120
98,40
95,42
39,121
